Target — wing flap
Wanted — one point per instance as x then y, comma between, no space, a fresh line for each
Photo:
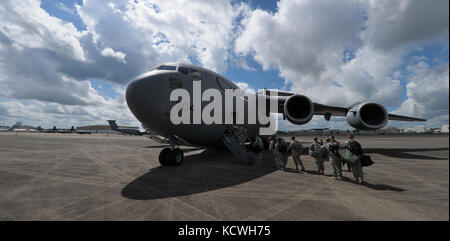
320,109
404,118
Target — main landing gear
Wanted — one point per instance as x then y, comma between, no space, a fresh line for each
171,156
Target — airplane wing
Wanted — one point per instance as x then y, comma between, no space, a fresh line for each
404,118
329,110
320,109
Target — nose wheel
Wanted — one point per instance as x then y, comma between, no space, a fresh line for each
171,157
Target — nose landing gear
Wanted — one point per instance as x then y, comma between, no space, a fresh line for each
171,156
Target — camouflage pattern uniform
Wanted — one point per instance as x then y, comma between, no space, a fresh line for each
315,149
296,148
335,160
356,167
258,156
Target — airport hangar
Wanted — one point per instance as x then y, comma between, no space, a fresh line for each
102,129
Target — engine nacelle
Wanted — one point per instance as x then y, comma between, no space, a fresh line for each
367,116
298,109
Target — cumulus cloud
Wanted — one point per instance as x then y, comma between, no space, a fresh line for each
122,40
245,87
427,90
115,54
33,48
44,114
341,52
48,60
393,24
304,39
336,52
164,31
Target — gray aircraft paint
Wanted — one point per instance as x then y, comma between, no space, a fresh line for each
148,97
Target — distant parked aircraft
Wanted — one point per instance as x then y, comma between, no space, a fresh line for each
4,128
18,127
56,130
129,131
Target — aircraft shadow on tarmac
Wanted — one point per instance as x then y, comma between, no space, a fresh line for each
379,187
185,150
158,146
405,152
383,187
206,171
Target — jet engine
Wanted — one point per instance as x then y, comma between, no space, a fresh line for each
367,116
298,109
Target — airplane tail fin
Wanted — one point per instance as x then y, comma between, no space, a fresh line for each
113,125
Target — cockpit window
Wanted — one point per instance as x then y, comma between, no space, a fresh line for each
166,67
183,70
196,75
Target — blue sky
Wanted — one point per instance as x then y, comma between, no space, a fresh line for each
336,53
258,79
62,10
268,5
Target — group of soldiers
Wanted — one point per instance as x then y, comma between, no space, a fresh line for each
319,151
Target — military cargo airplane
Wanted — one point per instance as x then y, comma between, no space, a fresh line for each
148,98
129,131
57,130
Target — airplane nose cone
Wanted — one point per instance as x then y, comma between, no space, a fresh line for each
144,97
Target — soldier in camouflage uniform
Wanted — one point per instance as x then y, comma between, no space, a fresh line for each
356,149
296,149
314,151
333,147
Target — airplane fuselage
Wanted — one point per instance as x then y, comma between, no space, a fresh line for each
148,97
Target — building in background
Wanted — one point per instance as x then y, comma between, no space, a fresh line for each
444,128
4,128
388,130
416,129
19,127
315,132
101,129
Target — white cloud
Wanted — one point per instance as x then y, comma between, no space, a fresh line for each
35,46
109,52
44,59
335,52
245,87
303,39
393,24
65,8
340,52
29,26
39,113
427,90
164,31
122,40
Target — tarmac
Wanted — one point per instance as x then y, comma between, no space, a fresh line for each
114,177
